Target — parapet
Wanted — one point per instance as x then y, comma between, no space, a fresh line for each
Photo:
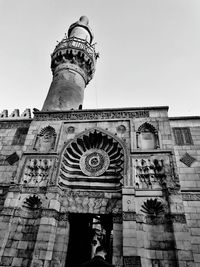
15,115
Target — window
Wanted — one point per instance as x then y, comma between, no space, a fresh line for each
182,136
20,136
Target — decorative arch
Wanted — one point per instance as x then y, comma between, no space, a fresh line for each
46,139
147,137
147,127
94,159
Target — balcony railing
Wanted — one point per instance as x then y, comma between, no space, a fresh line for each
76,43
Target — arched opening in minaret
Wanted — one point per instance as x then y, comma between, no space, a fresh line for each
87,232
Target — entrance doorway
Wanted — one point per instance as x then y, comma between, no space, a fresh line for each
88,231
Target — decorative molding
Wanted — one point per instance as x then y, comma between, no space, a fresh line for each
91,115
90,194
190,197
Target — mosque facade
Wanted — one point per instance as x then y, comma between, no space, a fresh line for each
72,179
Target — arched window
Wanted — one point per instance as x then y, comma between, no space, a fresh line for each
147,137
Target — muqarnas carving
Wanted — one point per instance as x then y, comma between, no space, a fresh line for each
32,203
153,207
155,172
147,137
45,140
94,154
36,172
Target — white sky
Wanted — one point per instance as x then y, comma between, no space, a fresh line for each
149,52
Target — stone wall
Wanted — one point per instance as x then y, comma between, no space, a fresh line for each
188,158
153,223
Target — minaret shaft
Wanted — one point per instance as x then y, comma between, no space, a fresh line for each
73,65
66,91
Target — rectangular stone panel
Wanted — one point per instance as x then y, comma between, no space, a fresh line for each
132,261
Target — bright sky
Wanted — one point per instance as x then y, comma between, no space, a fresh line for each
149,52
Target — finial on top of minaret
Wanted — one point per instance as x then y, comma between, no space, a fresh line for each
80,29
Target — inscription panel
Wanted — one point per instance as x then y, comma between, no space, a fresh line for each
132,261
92,115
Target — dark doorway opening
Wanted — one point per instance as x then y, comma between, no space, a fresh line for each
88,231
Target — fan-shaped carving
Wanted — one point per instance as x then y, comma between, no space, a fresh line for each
93,154
153,207
32,202
49,129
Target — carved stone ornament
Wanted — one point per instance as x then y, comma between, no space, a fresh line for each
121,129
153,207
45,140
187,159
93,154
94,162
32,202
156,172
90,204
36,172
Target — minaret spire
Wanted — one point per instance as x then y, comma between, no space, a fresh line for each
73,65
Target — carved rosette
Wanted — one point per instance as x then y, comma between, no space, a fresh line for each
93,157
94,162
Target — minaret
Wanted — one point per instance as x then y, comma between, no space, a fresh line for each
73,65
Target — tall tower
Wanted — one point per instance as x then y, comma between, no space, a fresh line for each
73,65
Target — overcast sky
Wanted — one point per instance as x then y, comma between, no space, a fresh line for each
149,52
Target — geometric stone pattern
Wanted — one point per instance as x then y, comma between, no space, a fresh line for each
187,159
